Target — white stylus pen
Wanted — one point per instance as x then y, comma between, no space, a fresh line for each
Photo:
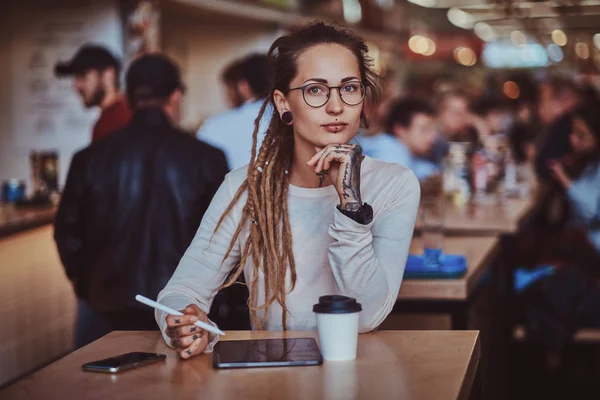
158,306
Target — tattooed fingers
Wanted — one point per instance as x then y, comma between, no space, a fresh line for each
196,346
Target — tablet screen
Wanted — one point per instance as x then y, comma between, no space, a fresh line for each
266,353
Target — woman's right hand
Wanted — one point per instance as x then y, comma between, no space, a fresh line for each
189,339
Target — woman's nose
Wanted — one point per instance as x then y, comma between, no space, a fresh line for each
335,105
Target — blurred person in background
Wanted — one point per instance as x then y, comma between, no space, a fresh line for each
569,298
231,131
236,89
558,98
411,135
494,116
95,73
579,172
132,204
456,123
522,136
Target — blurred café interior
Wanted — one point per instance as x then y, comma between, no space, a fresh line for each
492,104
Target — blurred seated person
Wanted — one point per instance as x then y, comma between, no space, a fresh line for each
132,204
456,123
231,131
559,304
521,136
492,116
237,89
412,134
95,73
579,172
558,98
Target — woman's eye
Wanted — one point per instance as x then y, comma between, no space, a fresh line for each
353,87
315,90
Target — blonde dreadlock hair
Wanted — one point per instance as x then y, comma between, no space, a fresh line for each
269,243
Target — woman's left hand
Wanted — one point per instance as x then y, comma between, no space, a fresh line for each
342,163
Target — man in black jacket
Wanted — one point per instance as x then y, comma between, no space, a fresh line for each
132,204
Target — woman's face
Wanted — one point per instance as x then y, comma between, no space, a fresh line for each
335,122
582,139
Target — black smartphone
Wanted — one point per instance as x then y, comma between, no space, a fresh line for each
123,362
266,353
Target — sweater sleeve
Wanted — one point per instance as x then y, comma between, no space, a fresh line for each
368,261
202,268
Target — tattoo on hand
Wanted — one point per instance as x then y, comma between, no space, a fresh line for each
195,337
352,206
321,176
173,333
189,352
177,321
193,329
351,181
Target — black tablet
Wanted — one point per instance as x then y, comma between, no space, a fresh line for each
266,353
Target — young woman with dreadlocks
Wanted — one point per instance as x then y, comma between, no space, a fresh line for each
309,216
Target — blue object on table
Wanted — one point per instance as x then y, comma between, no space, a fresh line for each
432,258
525,277
452,266
13,190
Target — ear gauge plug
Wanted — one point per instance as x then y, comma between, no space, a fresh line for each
287,117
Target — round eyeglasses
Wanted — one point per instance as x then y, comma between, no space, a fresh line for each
318,94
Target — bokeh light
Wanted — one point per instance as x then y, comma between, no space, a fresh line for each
465,56
460,18
518,38
484,31
511,90
582,50
559,37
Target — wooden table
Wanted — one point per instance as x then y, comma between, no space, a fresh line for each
449,296
489,218
390,365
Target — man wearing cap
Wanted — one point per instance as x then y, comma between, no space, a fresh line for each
132,204
96,79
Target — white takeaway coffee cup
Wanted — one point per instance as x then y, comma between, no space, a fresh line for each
337,323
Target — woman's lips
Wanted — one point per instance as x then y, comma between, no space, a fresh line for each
334,127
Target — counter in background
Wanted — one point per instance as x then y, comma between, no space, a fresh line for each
14,220
37,303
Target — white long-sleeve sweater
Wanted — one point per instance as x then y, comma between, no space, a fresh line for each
333,253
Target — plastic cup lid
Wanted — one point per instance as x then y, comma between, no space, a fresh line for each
337,305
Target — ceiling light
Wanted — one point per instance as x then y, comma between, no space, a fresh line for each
424,3
582,50
460,18
465,56
511,90
430,48
559,37
554,52
597,40
518,38
352,11
484,31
